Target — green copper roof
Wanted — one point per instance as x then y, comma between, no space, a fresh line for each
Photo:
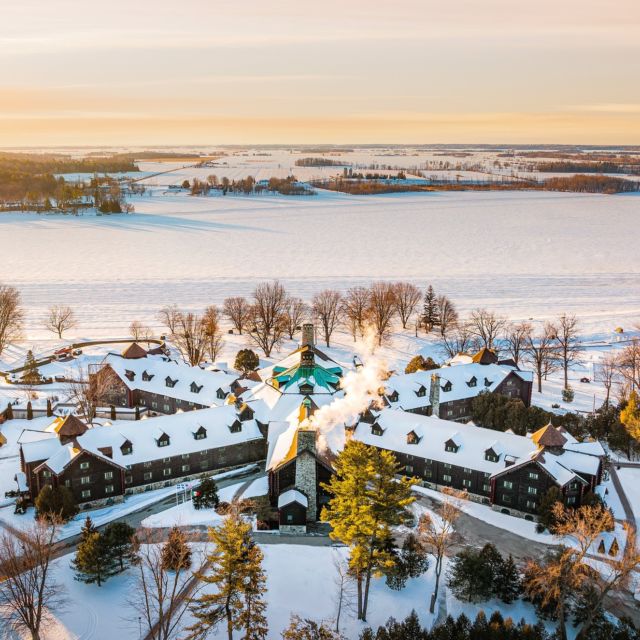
307,374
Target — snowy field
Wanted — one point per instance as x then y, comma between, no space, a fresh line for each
523,254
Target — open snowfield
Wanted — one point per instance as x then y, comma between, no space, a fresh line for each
524,254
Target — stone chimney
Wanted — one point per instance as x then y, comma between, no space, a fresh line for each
306,474
434,395
308,335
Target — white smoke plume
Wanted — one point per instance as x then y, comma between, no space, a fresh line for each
361,387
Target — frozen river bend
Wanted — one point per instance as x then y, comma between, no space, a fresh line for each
525,254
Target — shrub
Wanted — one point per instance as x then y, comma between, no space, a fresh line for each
55,502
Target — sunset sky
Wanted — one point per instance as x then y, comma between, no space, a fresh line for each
264,71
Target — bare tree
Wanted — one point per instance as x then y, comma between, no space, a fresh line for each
238,310
11,316
168,316
515,337
212,332
158,596
28,591
190,337
139,332
268,315
381,309
93,388
295,313
345,589
457,339
568,346
60,319
437,534
407,297
486,326
629,364
355,306
606,372
447,314
542,352
327,308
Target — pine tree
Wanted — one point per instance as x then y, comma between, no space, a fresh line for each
367,503
49,408
430,310
93,562
118,536
8,414
630,416
206,495
112,412
507,584
414,556
31,374
137,413
55,502
234,563
253,618
176,553
29,410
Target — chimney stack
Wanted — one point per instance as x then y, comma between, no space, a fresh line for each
306,474
308,332
434,395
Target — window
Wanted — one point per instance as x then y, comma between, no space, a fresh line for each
486,488
427,473
446,478
289,517
108,475
86,493
128,479
185,456
108,488
67,483
531,504
154,405
126,450
185,468
147,464
166,471
85,480
450,412
532,491
533,475
507,484
571,500
167,408
473,382
446,465
203,453
166,459
163,442
148,475
451,448
408,469
506,498
467,470
46,473
201,434
466,483
84,465
204,464
376,430
491,457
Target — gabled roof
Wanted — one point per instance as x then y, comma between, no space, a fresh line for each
134,351
548,436
290,496
485,356
70,427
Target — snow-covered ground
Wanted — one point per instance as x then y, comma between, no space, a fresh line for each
524,254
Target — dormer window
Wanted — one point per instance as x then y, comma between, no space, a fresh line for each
147,377
129,375
195,388
413,437
490,456
126,448
376,429
306,388
422,391
473,382
235,427
246,413
169,382
487,382
200,434
393,397
163,440
221,394
447,386
451,446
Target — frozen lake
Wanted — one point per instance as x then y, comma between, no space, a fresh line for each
525,254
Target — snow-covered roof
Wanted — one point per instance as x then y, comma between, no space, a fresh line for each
292,495
143,436
38,448
414,389
191,384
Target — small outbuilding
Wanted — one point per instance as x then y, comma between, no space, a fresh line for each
292,512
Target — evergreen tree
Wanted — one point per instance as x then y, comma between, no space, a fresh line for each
630,417
55,502
252,618
430,310
49,408
112,412
506,583
471,576
206,495
93,561
8,414
235,562
137,413
118,537
176,553
31,375
367,503
418,363
246,361
546,517
29,410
